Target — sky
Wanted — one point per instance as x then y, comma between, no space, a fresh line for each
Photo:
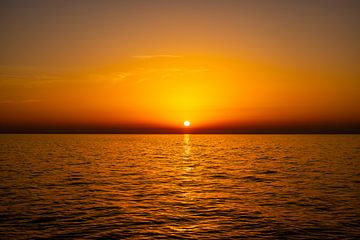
233,65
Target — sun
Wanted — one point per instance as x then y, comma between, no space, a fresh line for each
187,123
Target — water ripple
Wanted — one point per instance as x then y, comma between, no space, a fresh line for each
179,186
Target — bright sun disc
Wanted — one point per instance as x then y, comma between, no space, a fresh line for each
186,123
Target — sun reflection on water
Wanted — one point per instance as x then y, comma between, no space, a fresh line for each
187,147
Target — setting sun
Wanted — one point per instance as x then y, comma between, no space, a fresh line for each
187,123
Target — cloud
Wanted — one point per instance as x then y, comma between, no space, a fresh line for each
165,70
141,75
178,70
138,75
118,77
112,77
19,75
157,56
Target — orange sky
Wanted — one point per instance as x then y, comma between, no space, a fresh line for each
156,63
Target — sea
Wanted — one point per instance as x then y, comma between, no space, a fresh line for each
179,186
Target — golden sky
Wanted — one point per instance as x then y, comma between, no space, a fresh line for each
157,63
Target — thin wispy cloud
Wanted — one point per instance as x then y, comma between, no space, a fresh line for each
119,76
112,77
157,56
19,75
141,75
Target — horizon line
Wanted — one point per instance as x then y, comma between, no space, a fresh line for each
179,131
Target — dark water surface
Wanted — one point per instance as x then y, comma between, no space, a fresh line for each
180,186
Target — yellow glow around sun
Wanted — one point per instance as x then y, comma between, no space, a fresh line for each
187,123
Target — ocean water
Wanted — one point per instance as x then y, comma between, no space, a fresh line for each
180,186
